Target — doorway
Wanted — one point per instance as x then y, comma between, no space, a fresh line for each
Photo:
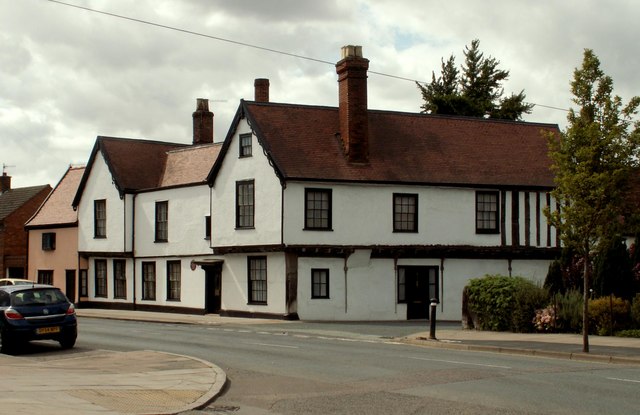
417,285
70,284
213,288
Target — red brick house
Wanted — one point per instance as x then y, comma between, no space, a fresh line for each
17,206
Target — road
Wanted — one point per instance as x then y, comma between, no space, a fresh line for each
312,368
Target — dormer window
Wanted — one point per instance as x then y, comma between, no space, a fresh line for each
245,145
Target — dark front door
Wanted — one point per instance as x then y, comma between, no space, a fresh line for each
70,290
421,285
213,288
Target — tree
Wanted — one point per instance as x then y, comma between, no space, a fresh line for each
592,161
474,91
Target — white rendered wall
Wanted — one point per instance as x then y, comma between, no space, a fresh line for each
100,186
235,284
268,192
187,208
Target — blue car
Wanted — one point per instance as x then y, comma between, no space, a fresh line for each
35,312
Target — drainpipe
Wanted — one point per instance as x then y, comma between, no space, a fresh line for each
133,248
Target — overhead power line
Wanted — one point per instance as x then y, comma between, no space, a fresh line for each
235,42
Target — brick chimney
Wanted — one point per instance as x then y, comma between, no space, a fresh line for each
5,183
261,86
202,123
352,91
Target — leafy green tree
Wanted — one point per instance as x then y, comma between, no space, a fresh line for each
592,161
476,90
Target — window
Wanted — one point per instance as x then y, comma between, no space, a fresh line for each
405,212
487,212
244,204
148,280
173,280
207,227
257,280
101,278
317,206
48,241
319,283
100,218
119,279
245,145
84,283
45,277
162,221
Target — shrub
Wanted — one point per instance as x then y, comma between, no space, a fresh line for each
608,314
628,333
635,311
568,311
501,303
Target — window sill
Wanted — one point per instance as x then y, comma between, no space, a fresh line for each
487,232
175,300
321,298
238,228
257,303
161,241
404,231
318,229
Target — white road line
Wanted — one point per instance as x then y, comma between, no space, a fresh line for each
460,363
625,380
274,345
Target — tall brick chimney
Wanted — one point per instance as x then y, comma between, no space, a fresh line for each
5,182
261,86
352,91
202,123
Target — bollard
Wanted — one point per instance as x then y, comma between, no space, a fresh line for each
432,319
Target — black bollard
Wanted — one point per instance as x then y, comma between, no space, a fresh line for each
432,319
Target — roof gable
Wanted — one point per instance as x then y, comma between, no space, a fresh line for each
57,209
303,143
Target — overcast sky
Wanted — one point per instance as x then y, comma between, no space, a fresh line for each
68,75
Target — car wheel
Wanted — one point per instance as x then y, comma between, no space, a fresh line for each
6,345
68,341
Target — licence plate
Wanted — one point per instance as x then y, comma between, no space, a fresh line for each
47,330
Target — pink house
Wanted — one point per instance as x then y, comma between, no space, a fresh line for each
53,240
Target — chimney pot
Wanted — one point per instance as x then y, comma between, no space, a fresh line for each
352,108
261,90
202,123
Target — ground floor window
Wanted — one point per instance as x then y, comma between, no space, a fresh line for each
84,283
101,278
148,280
119,278
45,277
257,279
319,283
173,280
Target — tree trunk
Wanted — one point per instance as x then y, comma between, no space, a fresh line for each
585,304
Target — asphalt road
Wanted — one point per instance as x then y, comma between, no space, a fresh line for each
313,368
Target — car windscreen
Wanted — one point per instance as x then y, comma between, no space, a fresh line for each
42,296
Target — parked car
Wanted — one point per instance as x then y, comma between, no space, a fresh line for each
14,281
35,312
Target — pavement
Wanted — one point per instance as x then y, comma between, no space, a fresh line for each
103,382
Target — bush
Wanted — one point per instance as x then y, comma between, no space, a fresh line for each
501,303
628,333
608,314
635,311
568,307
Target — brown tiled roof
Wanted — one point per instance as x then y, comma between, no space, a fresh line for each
13,199
409,148
57,209
189,165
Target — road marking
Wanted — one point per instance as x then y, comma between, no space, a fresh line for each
460,363
625,380
274,345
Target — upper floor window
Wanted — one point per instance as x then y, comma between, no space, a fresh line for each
48,241
245,145
162,221
173,280
245,204
257,280
319,283
119,278
207,227
100,218
405,212
487,212
317,207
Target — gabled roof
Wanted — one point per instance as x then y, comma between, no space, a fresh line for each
303,143
56,209
134,164
13,199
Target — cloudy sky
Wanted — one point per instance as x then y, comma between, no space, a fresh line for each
68,75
